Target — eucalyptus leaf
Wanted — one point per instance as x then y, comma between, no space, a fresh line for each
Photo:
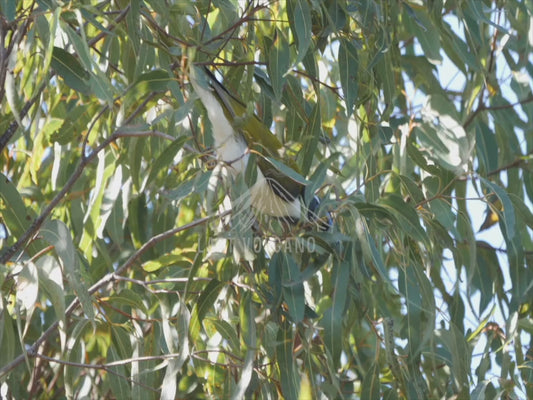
58,235
279,64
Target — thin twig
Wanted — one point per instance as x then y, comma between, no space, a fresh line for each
482,107
139,108
106,366
110,27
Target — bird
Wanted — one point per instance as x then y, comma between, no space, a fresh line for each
237,135
493,211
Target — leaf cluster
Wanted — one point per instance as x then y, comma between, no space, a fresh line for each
132,267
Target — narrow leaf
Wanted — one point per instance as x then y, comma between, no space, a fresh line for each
51,280
14,213
333,317
407,217
348,65
290,382
70,69
293,288
371,385
278,64
205,301
58,235
302,28
314,132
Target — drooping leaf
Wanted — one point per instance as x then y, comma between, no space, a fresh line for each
290,381
443,135
292,287
426,33
371,384
16,216
205,301
406,216
58,235
278,64
70,69
348,66
332,321
51,281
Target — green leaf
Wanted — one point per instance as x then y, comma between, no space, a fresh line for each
119,386
137,219
129,298
290,381
292,286
58,235
9,9
205,301
69,68
278,64
154,81
348,66
458,51
287,171
478,14
82,49
16,216
110,196
227,331
165,260
406,216
163,162
247,323
373,211
370,250
443,137
105,171
28,291
51,280
386,75
8,342
420,318
371,383
455,343
411,188
177,341
333,318
486,148
314,133
427,34
486,276
444,214
301,27
336,15
102,87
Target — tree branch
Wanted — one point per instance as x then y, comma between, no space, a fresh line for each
111,364
36,224
482,107
104,281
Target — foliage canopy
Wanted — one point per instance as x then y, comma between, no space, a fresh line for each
123,272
